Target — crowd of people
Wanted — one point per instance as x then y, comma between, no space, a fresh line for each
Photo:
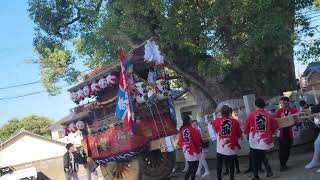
71,161
258,129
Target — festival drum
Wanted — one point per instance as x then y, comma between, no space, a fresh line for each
287,121
141,89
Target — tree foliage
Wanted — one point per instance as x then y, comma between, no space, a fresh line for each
35,124
307,34
222,49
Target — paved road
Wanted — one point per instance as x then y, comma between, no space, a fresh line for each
299,158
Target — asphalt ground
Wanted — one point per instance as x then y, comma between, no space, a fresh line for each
300,156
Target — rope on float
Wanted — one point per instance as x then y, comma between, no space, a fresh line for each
163,127
154,121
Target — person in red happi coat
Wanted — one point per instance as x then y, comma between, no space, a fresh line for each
191,143
260,126
228,134
285,135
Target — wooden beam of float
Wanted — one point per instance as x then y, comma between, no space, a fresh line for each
293,119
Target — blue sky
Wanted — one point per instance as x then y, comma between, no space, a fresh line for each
16,34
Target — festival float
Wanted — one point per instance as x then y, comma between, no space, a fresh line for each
129,127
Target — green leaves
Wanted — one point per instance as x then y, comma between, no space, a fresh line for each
55,63
306,38
204,38
33,123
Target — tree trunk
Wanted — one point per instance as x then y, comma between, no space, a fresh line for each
268,71
246,79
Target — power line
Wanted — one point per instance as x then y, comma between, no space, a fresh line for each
25,84
28,94
19,85
30,83
20,96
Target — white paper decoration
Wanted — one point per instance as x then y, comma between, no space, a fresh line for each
73,127
80,94
151,77
73,96
111,79
95,87
80,125
140,97
152,53
163,93
86,91
103,83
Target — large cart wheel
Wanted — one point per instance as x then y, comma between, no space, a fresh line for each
158,165
127,170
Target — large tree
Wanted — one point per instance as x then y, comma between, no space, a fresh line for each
222,49
33,123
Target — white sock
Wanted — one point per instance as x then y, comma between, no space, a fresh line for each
198,173
207,173
203,162
186,166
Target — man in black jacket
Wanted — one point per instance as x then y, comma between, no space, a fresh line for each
70,163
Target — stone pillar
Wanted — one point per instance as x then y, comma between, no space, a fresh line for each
249,103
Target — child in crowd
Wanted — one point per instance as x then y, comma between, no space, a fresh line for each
190,141
203,161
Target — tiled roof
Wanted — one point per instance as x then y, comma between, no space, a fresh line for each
311,68
22,132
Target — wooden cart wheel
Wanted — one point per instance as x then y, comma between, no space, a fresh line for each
158,165
127,170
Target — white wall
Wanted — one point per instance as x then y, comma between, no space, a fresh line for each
27,149
74,138
188,104
55,135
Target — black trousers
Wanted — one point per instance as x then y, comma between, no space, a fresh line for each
251,161
258,157
230,161
284,150
192,169
236,161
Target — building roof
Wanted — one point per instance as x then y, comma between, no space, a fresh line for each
311,68
134,56
177,93
58,124
22,133
73,117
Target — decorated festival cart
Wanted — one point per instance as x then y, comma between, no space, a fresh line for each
129,127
